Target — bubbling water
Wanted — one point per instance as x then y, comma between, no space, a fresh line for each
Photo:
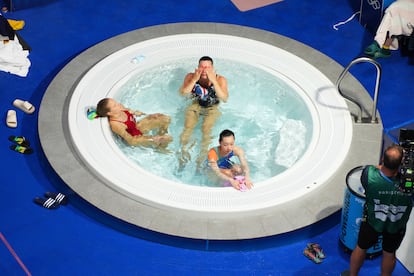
265,110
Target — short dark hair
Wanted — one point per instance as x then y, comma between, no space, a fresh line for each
393,156
206,58
226,133
102,108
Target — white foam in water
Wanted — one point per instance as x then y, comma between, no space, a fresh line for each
291,144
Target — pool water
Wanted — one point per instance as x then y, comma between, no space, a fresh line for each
266,111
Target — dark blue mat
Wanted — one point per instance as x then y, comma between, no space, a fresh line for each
78,239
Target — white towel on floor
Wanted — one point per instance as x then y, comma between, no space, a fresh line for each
13,58
398,20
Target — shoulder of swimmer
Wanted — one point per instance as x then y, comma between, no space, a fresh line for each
212,155
238,151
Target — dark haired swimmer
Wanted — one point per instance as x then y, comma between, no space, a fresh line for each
123,123
207,89
222,163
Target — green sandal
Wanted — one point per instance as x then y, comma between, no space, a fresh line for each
372,49
383,53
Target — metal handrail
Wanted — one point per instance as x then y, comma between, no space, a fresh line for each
377,83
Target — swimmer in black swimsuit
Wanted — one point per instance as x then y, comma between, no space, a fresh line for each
207,89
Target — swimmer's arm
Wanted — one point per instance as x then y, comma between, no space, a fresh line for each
222,175
244,165
220,85
212,158
143,141
189,82
119,129
136,112
139,113
218,171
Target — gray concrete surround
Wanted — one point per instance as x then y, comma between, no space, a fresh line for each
314,206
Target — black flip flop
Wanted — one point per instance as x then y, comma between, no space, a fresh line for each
59,197
21,149
49,203
20,140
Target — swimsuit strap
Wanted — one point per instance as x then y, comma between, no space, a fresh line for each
217,152
117,121
128,116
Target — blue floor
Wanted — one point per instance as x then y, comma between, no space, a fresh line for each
79,240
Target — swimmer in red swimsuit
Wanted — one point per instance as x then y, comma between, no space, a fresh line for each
123,123
130,123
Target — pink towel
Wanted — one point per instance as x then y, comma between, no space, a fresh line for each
241,180
245,5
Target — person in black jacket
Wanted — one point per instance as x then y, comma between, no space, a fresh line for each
4,6
6,31
386,213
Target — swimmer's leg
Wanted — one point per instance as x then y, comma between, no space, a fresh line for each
163,147
153,141
212,114
154,121
164,121
191,118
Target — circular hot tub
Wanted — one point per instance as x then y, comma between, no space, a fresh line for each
115,184
331,138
